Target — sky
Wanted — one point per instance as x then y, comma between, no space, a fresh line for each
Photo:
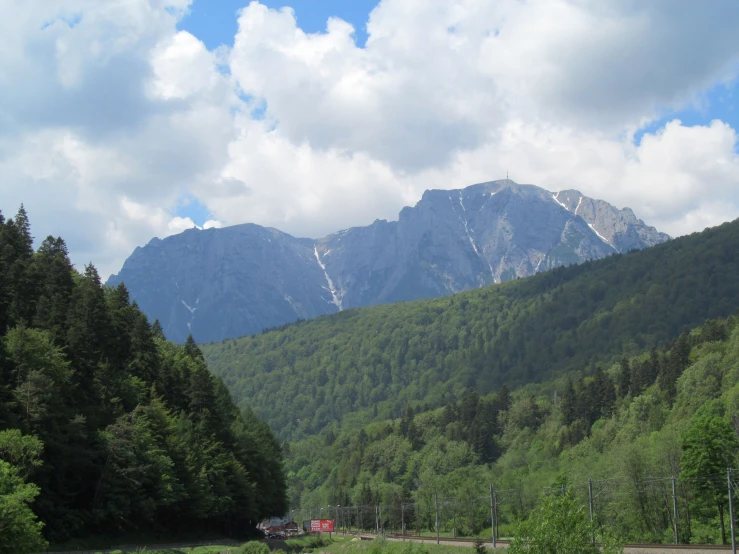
129,119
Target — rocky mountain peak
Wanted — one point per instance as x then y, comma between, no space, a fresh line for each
238,280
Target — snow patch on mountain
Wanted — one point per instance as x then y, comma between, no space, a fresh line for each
331,288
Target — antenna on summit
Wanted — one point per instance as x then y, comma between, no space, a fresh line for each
506,175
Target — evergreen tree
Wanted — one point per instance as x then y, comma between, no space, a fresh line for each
89,333
677,361
192,350
569,404
158,330
606,393
54,274
624,377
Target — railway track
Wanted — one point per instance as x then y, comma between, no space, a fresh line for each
627,547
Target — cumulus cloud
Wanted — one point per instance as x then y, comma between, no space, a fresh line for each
178,224
110,115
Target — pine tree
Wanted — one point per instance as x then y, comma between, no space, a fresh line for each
89,334
569,403
624,377
158,330
677,361
25,243
54,275
606,393
503,399
637,380
192,350
17,254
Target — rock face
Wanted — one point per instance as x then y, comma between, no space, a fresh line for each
221,283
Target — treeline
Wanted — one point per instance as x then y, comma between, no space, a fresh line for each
630,426
106,427
367,364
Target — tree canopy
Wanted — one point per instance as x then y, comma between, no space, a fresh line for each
106,427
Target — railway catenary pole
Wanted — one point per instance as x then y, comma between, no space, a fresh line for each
492,514
674,510
402,518
454,519
436,505
731,511
590,502
418,515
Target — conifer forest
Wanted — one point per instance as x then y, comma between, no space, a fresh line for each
105,426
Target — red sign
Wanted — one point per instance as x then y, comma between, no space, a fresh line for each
321,525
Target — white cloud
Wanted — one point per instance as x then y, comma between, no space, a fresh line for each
178,224
110,115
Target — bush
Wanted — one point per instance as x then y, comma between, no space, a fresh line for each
378,545
254,547
558,526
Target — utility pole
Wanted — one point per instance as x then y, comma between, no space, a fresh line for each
674,509
436,504
590,498
402,519
454,520
496,529
492,513
418,514
731,510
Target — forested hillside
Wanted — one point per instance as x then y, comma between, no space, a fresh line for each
106,427
367,365
631,427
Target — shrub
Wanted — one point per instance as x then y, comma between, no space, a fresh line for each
254,547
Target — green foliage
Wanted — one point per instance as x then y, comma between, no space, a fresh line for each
104,425
559,525
369,364
19,528
710,446
21,451
254,547
591,428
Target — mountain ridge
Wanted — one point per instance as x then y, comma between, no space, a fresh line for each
234,281
363,364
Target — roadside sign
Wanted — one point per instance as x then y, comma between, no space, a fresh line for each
322,525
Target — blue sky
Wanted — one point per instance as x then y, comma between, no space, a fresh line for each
721,101
139,137
215,23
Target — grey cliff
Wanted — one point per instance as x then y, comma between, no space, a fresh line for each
222,283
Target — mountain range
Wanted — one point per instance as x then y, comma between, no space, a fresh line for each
239,280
